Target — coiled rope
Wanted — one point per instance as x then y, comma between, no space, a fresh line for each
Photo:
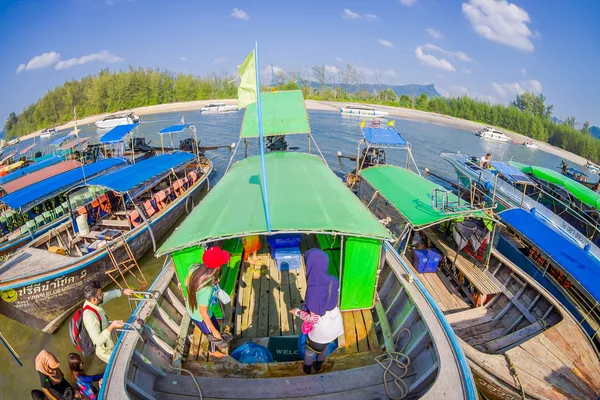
400,361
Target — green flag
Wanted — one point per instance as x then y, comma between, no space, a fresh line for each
247,88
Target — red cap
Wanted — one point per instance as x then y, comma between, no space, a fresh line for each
214,257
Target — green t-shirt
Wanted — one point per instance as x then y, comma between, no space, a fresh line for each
204,297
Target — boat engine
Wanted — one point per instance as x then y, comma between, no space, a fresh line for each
276,143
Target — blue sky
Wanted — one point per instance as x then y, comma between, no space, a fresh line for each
492,49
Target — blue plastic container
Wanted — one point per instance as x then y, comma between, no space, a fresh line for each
284,240
426,260
288,258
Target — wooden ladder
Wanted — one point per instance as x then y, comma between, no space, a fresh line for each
125,267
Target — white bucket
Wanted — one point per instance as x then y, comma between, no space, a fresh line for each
82,224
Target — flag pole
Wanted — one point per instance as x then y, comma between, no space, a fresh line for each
260,138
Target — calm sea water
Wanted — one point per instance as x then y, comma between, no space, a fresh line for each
332,134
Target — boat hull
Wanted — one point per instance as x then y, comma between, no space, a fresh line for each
363,113
111,123
215,110
45,302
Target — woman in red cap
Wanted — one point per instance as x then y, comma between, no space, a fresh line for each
202,296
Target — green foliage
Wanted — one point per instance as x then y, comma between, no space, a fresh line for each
532,104
114,91
586,128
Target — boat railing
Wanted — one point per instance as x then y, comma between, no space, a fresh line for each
140,296
129,327
440,200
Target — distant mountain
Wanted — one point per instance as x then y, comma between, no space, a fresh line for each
556,120
398,89
595,132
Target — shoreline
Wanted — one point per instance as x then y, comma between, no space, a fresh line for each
320,105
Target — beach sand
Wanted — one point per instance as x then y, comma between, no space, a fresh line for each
394,112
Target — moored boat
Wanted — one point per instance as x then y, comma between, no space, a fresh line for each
520,341
218,108
117,119
360,110
530,145
492,134
12,142
48,132
115,216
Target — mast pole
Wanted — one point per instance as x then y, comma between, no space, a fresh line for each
260,138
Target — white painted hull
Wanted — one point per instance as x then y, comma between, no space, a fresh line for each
495,138
111,123
221,109
363,113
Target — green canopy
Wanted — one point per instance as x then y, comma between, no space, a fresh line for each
581,192
411,194
304,196
284,113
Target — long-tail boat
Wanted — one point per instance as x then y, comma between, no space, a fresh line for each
520,341
113,220
384,312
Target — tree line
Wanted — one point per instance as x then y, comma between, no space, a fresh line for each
110,91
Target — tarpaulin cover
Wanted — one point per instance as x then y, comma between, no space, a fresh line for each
410,194
359,273
577,262
58,141
173,129
581,192
117,133
304,195
384,136
511,173
31,168
73,143
26,149
34,194
125,179
39,175
283,113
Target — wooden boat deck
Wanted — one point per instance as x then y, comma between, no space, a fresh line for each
445,295
29,262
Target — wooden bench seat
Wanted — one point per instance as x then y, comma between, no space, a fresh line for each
484,283
114,223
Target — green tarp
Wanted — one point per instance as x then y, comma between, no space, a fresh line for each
582,193
410,194
284,113
304,196
359,273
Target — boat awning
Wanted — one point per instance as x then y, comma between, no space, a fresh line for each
58,141
8,156
581,192
73,143
39,175
142,173
26,149
411,195
384,137
304,196
284,113
34,194
511,173
117,133
577,262
31,168
173,129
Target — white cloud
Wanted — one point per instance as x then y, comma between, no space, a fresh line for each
457,91
350,15
514,88
42,61
434,33
219,60
276,70
432,61
339,59
183,58
102,56
389,73
466,71
370,17
500,21
238,13
331,69
458,54
408,3
385,43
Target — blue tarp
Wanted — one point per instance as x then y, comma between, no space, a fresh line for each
117,133
125,179
513,174
58,141
34,194
173,129
384,136
31,168
577,262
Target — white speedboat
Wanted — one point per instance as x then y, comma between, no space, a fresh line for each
530,145
492,134
362,111
48,132
13,141
218,108
117,119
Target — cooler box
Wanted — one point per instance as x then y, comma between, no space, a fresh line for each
287,258
284,240
426,260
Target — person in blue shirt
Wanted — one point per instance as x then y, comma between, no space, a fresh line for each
84,382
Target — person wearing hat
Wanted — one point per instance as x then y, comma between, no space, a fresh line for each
202,296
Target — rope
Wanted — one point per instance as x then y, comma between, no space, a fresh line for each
168,366
233,155
318,148
514,373
401,361
373,198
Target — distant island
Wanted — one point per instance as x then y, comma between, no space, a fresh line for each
107,92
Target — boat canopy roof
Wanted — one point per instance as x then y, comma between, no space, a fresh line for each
304,196
283,113
75,142
26,149
411,195
173,129
581,192
117,133
31,168
142,173
34,194
8,156
573,170
511,173
58,141
387,136
39,175
578,262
